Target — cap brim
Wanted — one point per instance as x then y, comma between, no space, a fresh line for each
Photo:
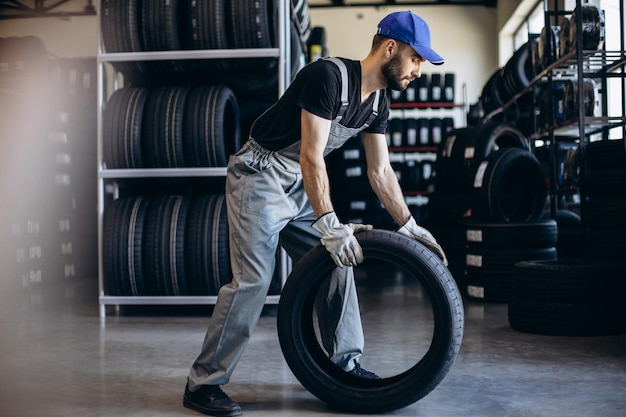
429,55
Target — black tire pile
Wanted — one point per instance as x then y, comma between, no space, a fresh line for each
604,185
174,25
171,127
166,245
507,82
486,209
582,297
529,61
568,297
177,113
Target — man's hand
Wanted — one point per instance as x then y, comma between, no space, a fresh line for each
339,240
412,230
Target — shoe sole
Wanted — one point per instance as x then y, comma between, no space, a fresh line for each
197,407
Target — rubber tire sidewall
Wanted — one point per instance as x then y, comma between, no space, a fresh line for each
331,384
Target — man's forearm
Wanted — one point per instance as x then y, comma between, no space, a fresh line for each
316,184
388,190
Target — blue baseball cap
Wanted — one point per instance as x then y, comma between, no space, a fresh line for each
409,28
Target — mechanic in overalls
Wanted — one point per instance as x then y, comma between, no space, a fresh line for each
277,191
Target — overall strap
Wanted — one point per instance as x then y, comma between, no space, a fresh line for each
374,114
344,84
344,92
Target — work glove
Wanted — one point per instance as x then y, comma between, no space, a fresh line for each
412,230
339,240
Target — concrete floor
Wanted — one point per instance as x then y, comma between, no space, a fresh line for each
58,358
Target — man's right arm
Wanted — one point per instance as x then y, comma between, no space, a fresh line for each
315,131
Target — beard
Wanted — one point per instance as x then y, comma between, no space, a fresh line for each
392,71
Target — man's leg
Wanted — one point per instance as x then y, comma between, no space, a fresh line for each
257,211
337,304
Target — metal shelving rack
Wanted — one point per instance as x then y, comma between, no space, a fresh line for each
595,64
104,174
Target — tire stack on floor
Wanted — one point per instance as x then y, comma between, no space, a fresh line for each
505,226
582,297
604,185
458,158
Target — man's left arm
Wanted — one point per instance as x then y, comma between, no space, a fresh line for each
383,178
386,186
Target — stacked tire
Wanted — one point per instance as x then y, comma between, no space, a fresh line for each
166,245
574,297
165,236
505,226
173,25
171,127
582,297
604,185
452,202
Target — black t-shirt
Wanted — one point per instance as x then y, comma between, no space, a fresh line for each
317,89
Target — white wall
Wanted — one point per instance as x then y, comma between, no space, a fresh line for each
465,36
64,37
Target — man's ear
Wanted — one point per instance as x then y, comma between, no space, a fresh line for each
390,47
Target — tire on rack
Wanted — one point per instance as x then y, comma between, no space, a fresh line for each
509,186
120,33
211,126
222,272
121,130
205,27
159,32
122,245
163,127
312,367
164,245
254,25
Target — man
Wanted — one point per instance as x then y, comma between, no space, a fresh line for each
277,188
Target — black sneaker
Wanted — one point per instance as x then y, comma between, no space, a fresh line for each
360,372
212,401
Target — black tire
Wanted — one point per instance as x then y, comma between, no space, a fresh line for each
205,27
609,183
491,287
340,389
569,281
501,260
120,33
222,272
122,126
159,32
211,126
509,187
490,96
568,297
539,234
254,25
197,241
605,154
562,319
163,127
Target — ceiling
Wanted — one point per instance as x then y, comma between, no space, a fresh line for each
378,3
15,9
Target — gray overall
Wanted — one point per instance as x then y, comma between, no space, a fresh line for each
267,205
